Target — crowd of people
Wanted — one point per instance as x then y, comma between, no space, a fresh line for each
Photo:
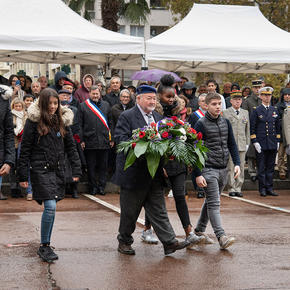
240,126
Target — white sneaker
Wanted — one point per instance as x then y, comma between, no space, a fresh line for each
170,194
148,237
194,239
225,241
207,239
29,196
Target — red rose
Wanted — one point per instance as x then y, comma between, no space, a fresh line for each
174,118
77,138
170,124
133,145
164,135
141,134
153,124
193,131
199,136
171,157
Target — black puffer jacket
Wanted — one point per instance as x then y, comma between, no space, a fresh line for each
93,131
46,155
7,149
219,139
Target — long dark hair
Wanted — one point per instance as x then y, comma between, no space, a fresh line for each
49,122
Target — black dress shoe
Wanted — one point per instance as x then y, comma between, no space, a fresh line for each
126,249
200,194
2,196
94,191
272,193
169,249
263,193
253,178
101,191
239,194
233,193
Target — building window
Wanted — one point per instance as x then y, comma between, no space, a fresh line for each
137,30
156,4
121,29
155,30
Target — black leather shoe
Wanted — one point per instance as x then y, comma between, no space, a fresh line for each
169,249
101,191
253,178
126,249
200,194
2,196
232,193
239,194
263,193
94,191
272,193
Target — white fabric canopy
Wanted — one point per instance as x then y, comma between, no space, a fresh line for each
221,38
48,31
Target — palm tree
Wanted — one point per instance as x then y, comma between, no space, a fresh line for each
135,11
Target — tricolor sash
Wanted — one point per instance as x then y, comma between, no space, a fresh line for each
94,108
199,113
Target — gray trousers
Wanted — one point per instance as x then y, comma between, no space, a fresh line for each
216,180
152,198
235,185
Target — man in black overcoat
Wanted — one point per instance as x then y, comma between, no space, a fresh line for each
138,189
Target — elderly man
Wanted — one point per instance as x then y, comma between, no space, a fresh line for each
125,104
7,150
96,125
138,189
265,136
113,97
239,119
35,89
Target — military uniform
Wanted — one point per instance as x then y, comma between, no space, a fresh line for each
240,122
265,131
250,104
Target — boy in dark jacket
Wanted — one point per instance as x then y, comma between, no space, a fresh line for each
219,139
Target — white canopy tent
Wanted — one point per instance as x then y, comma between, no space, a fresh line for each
48,31
221,38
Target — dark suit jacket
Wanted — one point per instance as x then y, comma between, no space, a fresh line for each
136,176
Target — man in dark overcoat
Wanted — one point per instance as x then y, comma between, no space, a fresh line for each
138,189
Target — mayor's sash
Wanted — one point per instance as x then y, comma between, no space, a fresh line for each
199,113
94,108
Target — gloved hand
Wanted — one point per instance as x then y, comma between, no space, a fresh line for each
278,144
258,147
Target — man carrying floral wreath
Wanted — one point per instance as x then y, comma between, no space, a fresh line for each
138,188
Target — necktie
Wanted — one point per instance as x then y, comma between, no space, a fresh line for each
150,118
267,108
238,112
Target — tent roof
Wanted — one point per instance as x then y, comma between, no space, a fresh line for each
221,38
48,31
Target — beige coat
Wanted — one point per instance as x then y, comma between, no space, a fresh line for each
286,126
241,127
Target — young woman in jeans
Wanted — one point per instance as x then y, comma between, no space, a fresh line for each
46,139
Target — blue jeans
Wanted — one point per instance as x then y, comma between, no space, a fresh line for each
47,220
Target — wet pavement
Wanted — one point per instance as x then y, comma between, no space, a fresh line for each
85,240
